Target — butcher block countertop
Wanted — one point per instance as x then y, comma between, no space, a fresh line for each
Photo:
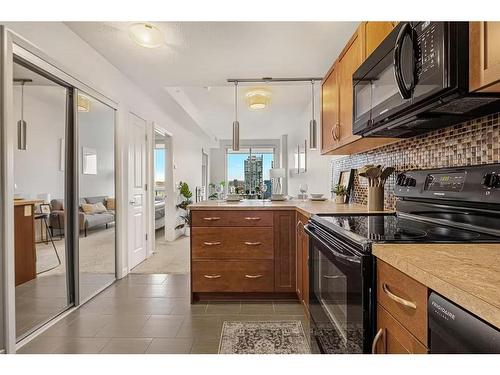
467,274
307,208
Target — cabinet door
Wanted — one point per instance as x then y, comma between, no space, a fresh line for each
374,33
393,338
284,251
299,257
329,111
350,61
484,56
305,269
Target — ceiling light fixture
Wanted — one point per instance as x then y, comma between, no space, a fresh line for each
258,98
146,35
313,128
83,104
236,124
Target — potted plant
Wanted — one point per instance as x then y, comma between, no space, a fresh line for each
186,195
340,192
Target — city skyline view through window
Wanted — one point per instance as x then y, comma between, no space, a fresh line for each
249,168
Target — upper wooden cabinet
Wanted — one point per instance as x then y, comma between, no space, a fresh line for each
337,103
484,56
373,33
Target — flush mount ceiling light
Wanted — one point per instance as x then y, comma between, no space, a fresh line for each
258,98
83,104
146,35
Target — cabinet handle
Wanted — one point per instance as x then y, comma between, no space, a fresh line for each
333,277
215,243
337,127
253,276
398,299
253,243
375,340
299,223
211,218
212,276
332,132
252,218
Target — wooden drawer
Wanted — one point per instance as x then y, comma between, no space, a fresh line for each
232,243
404,298
393,338
232,276
254,218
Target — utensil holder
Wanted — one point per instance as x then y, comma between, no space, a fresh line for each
375,198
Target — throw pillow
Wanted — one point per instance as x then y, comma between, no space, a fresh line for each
110,203
95,208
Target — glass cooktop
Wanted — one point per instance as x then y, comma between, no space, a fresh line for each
394,228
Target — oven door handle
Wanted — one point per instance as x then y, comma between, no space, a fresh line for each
351,259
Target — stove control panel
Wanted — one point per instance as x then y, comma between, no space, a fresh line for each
480,184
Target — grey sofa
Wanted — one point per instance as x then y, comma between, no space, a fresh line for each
86,221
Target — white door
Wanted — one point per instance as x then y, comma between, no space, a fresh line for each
137,191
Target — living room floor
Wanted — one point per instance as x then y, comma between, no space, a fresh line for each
152,314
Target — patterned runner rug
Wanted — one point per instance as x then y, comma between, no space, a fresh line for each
270,337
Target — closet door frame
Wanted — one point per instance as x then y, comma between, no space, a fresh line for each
15,48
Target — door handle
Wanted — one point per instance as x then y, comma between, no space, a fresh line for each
131,202
398,299
214,218
253,243
214,243
406,30
253,276
375,340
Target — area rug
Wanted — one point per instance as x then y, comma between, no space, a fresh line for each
269,337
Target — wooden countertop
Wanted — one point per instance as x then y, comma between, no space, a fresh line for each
307,208
467,274
25,202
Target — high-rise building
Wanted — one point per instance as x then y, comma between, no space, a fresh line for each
253,172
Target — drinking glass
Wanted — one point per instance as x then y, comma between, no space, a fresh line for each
303,190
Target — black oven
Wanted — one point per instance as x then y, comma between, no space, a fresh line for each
340,295
415,81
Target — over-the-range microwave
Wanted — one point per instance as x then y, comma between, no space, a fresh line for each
417,80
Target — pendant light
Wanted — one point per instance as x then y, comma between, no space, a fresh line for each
21,124
313,129
236,124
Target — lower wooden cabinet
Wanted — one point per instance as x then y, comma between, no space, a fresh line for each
392,338
233,276
284,251
302,263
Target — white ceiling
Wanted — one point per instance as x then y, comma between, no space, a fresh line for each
198,57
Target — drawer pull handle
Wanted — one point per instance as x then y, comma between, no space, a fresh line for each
211,218
253,276
212,276
253,243
252,218
398,299
215,243
375,340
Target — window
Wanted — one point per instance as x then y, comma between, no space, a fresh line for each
159,161
248,169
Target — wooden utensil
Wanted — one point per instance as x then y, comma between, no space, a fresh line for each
373,174
385,174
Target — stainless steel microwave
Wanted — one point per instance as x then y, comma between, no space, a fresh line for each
417,80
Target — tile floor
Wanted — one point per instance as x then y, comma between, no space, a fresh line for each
152,314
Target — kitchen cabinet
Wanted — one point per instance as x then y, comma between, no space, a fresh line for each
393,338
242,251
337,104
302,263
373,33
484,56
329,111
401,312
284,251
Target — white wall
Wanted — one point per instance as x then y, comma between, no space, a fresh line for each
318,175
81,60
37,169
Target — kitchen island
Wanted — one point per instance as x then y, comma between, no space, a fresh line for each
249,249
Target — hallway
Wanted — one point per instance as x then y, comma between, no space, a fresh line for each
152,314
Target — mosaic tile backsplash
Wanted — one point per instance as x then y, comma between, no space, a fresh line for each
470,143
